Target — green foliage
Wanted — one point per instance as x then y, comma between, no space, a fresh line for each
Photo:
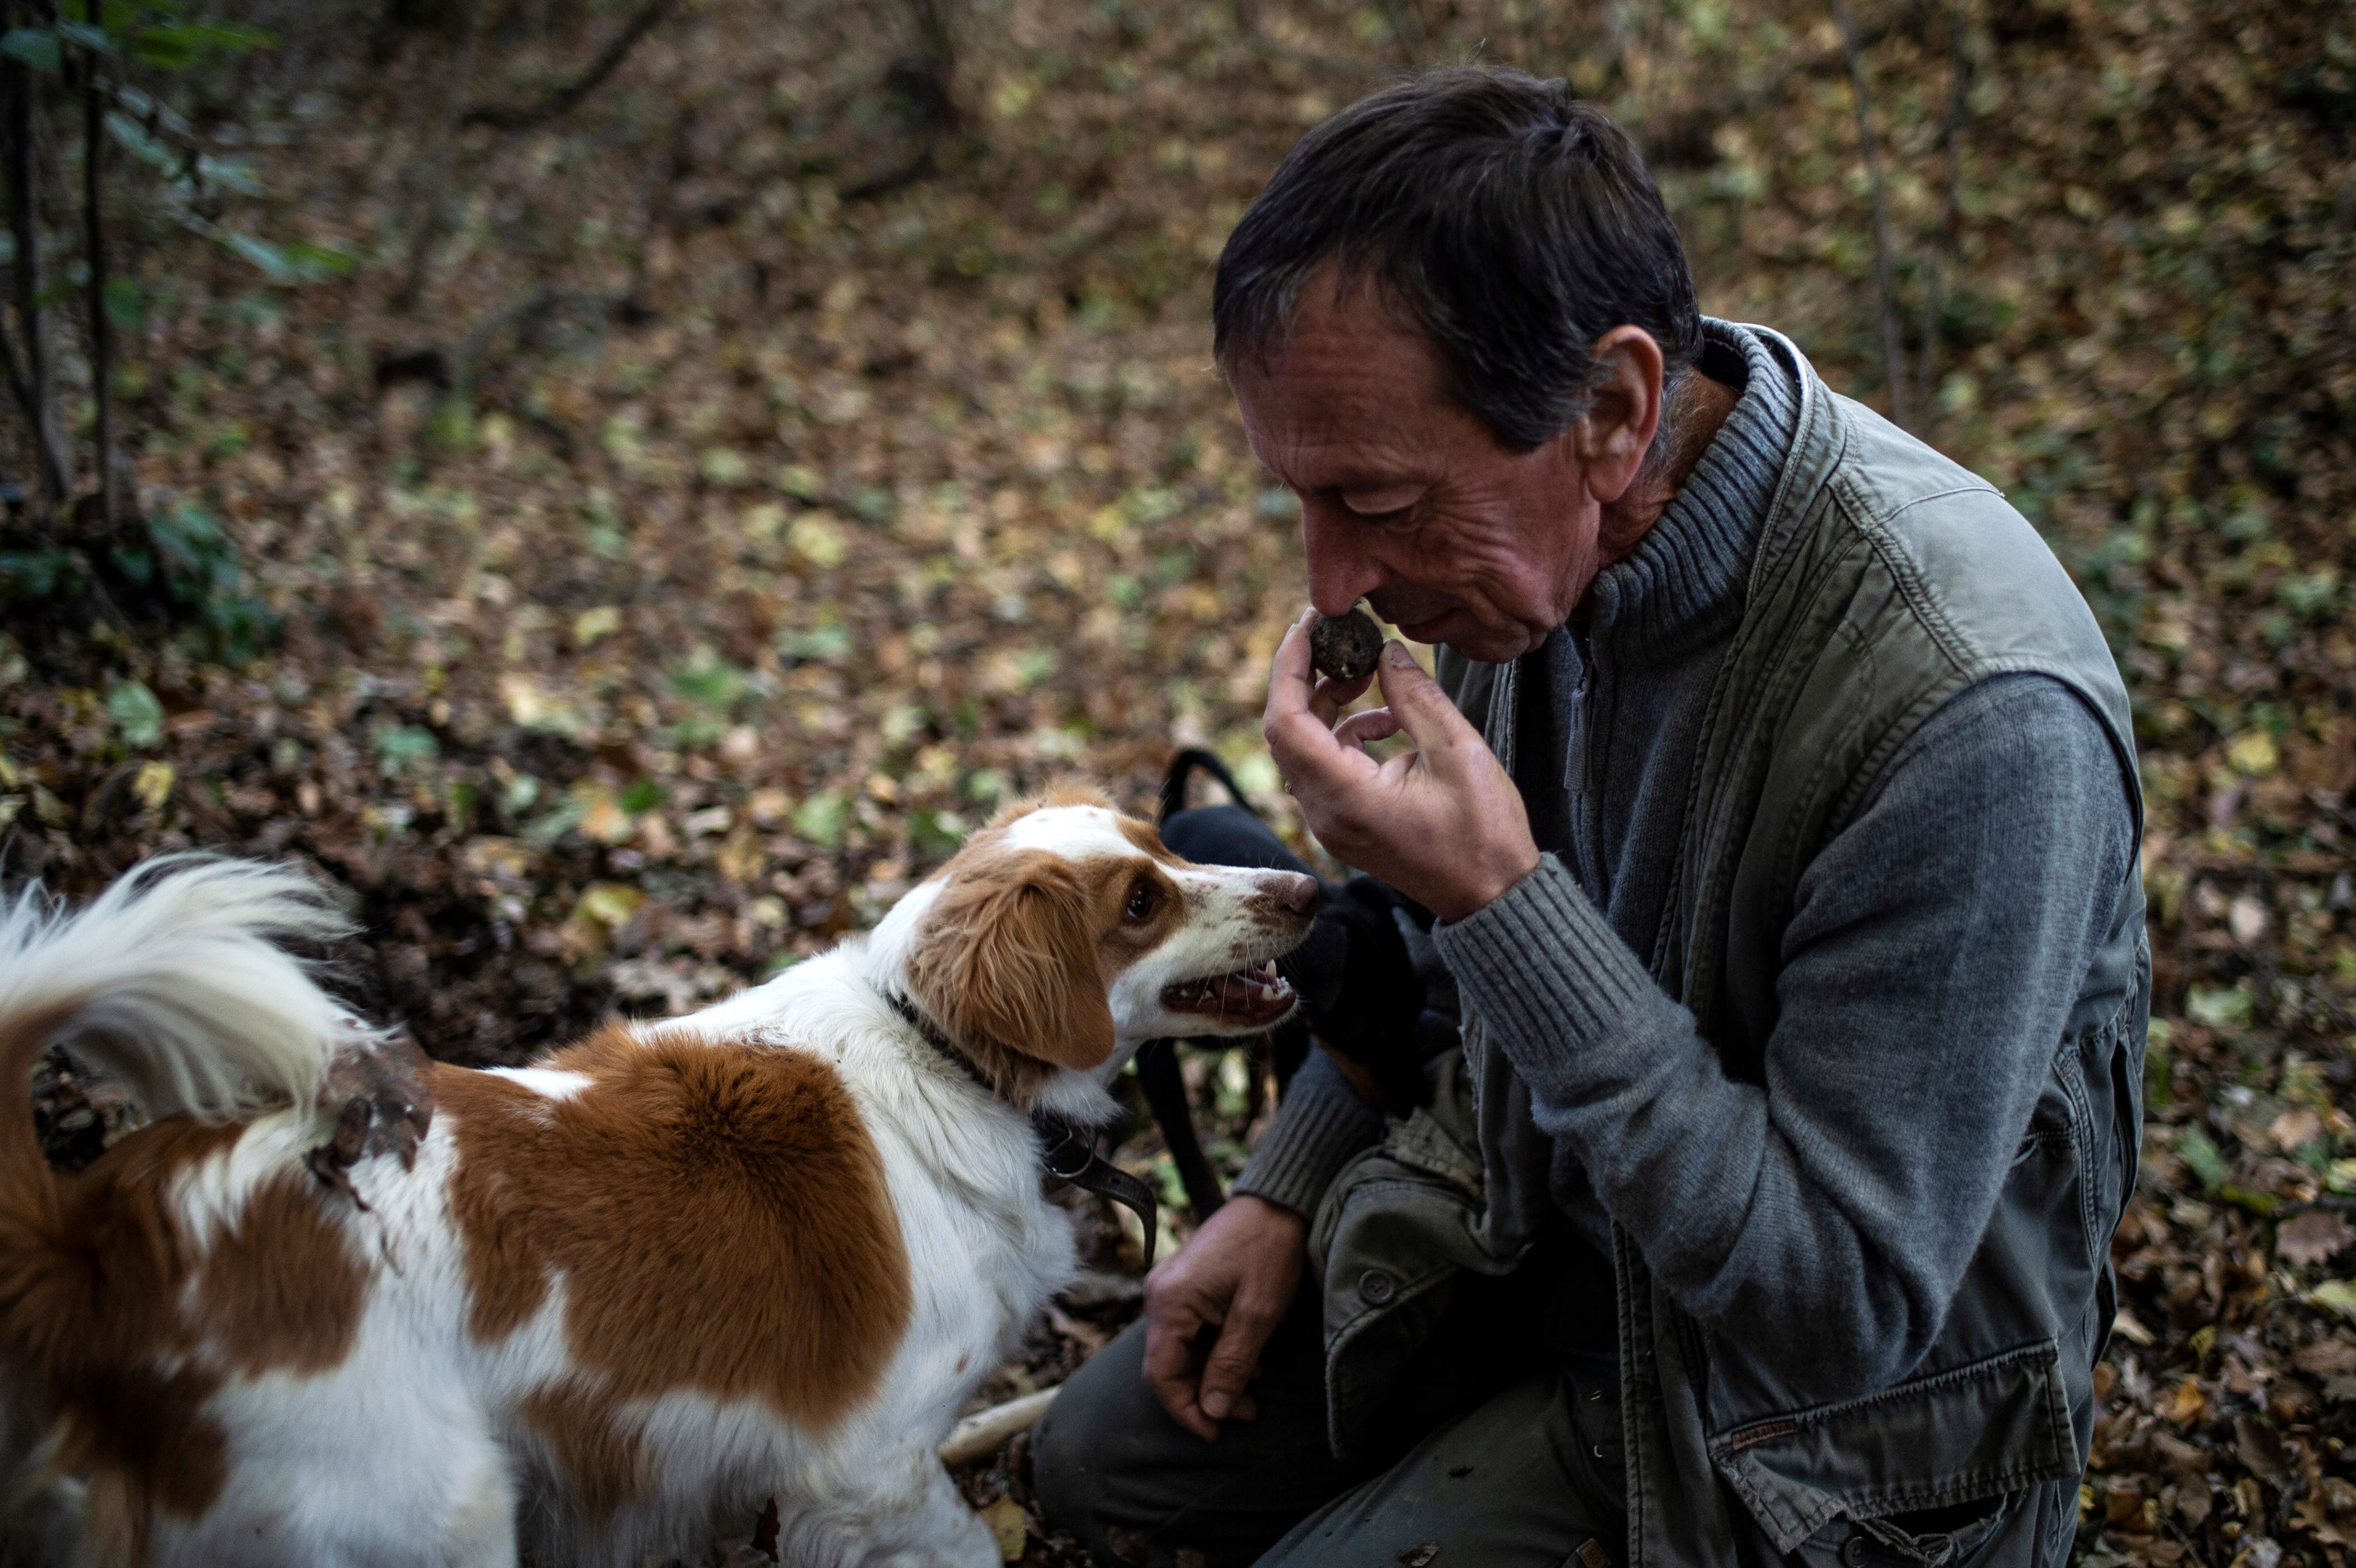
137,716
178,563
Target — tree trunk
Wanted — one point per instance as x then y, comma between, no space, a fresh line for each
101,331
36,389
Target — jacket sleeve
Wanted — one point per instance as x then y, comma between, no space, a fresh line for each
1825,1214
1320,1126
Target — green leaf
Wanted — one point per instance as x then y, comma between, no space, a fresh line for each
136,714
2218,1010
82,36
177,46
820,819
399,747
2339,1294
35,46
126,303
642,797
2200,1154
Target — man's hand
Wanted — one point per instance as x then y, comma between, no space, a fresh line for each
1240,1272
1443,823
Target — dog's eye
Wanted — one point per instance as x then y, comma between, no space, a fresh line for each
1141,900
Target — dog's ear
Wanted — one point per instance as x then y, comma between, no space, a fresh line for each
1007,962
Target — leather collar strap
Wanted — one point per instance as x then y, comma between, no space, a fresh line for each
1065,1152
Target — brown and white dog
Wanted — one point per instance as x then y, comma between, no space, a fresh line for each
341,1306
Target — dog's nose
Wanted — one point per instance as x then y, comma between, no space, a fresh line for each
1298,892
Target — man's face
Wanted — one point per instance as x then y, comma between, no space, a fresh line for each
1405,496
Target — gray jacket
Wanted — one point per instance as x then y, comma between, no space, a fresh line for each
1886,582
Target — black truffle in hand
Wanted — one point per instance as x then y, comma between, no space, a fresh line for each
1346,646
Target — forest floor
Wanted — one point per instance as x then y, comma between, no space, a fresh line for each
744,509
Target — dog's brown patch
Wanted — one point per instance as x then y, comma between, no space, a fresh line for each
1007,959
94,1271
603,1460
717,1212
282,1290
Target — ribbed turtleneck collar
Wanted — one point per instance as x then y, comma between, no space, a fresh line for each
1683,582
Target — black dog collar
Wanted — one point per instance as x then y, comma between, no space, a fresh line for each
1065,1152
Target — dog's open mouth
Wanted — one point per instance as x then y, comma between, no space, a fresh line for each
1251,998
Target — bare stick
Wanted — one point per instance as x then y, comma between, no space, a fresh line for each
1951,152
101,335
980,1434
560,100
1893,346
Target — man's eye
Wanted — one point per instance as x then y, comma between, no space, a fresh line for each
1140,902
1382,511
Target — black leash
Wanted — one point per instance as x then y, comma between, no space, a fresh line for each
1065,1152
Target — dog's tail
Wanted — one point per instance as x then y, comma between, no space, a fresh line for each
174,980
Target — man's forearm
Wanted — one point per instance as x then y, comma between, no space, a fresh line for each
1317,1130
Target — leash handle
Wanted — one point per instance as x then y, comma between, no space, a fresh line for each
1068,1155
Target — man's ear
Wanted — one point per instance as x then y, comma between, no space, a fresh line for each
1623,412
1007,962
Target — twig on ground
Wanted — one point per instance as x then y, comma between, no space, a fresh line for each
562,100
980,1434
1893,345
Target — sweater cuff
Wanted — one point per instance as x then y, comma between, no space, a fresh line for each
1544,971
1319,1128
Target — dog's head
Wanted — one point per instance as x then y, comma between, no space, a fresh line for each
1064,936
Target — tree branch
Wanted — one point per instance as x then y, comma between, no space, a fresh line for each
562,100
1893,345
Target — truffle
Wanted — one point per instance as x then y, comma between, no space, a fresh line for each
1347,646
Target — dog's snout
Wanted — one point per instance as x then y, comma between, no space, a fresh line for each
1295,891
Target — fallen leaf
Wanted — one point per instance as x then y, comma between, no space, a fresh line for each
1005,1519
2325,1358
153,785
2316,1236
610,904
2339,1294
2295,1129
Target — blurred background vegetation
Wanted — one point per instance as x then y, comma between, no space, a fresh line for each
623,485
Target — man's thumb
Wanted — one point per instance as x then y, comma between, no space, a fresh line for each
1415,700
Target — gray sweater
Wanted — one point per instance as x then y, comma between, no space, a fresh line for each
1935,946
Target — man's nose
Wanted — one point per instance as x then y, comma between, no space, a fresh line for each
1340,572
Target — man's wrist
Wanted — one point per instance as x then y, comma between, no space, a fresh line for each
1478,892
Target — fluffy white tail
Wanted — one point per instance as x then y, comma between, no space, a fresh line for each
175,981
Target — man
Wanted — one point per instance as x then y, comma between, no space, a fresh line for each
1777,808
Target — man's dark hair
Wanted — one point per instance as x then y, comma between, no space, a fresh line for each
1515,223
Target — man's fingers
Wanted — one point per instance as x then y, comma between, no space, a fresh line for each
1234,1359
1332,695
1374,724
1170,1369
1419,704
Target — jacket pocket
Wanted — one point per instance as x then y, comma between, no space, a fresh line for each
1981,1430
1399,1225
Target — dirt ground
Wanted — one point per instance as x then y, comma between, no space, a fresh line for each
765,482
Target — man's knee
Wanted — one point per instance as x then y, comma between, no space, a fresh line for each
1091,1453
